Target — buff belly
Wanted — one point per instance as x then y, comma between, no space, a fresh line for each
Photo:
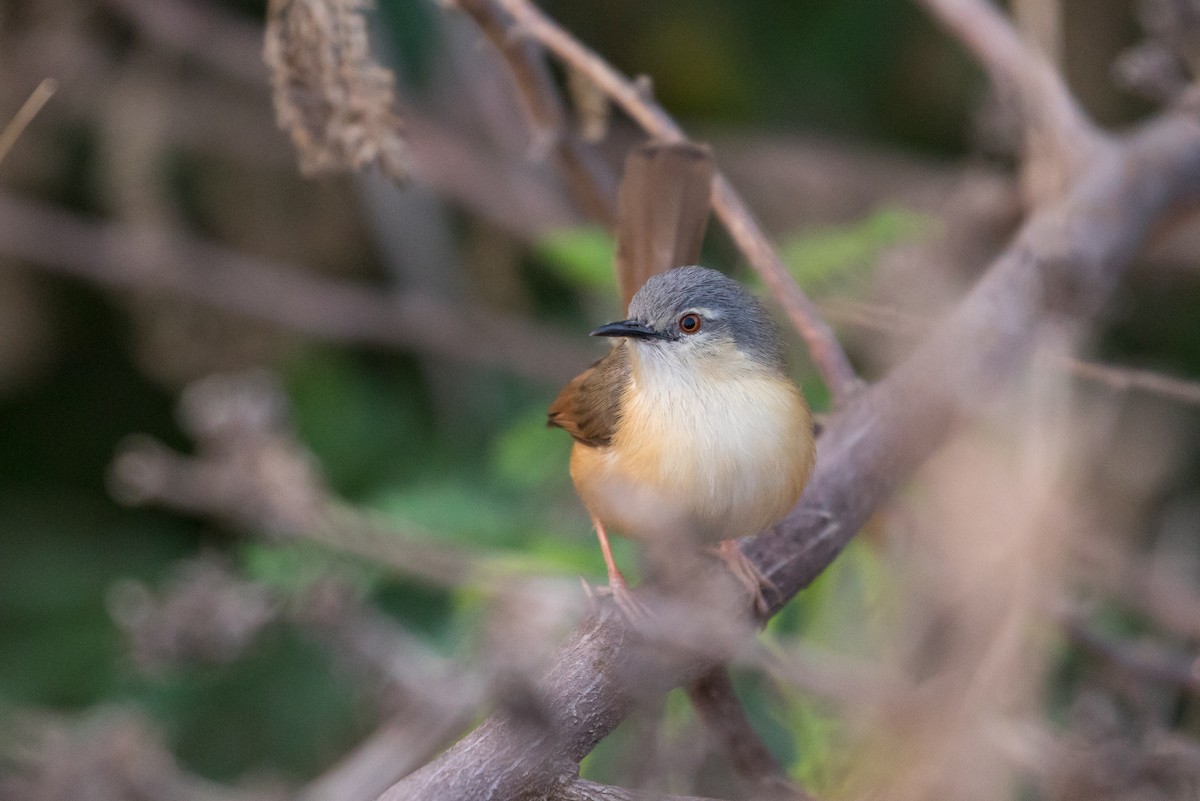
724,467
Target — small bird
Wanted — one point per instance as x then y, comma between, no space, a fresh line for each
689,433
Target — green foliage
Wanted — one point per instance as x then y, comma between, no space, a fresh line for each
305,714
357,417
583,256
529,456
834,614
842,256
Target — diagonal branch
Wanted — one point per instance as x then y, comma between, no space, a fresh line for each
528,21
1060,139
591,182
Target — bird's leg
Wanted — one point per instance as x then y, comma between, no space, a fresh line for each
618,587
748,574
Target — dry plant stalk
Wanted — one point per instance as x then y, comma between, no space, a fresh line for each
330,96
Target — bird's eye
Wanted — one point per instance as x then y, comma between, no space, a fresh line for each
689,323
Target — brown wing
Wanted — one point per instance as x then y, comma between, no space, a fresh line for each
588,407
662,211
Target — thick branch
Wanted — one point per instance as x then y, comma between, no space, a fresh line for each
1065,262
827,353
581,790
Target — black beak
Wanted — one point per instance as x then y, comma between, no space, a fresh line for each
627,328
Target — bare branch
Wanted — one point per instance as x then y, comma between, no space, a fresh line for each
1128,378
119,257
1060,138
717,704
25,114
886,319
1176,670
583,790
592,184
827,353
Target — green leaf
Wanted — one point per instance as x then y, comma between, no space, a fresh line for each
583,255
527,455
842,253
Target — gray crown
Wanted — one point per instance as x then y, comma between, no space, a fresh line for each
739,315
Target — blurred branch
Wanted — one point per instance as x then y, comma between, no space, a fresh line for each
208,613
115,755
250,471
200,31
1060,139
591,181
889,320
1124,379
25,114
1061,267
1176,670
120,257
520,19
717,704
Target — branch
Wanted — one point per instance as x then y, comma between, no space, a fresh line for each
25,114
1176,670
591,182
583,790
120,257
827,354
718,706
1059,136
1064,263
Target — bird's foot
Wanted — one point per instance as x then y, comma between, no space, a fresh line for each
748,574
634,610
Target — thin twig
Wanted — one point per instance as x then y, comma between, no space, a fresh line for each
827,354
591,182
889,320
25,114
1176,670
1129,378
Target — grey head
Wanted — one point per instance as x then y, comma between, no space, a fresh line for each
698,308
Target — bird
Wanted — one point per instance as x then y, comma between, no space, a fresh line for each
689,433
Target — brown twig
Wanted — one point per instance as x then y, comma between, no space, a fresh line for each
25,114
1175,670
592,183
888,320
827,354
718,706
116,256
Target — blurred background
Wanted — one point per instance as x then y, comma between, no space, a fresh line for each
278,510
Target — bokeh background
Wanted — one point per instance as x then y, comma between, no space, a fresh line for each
252,514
